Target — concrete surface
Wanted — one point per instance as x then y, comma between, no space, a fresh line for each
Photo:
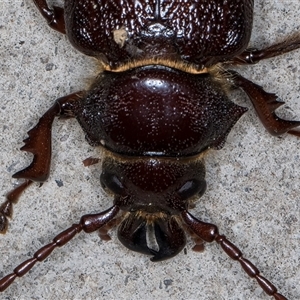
253,182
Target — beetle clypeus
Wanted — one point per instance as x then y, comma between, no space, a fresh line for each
168,246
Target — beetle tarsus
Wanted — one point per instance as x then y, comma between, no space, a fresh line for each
6,209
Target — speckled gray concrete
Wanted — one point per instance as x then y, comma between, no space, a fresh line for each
253,182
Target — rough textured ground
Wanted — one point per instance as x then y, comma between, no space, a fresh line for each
253,182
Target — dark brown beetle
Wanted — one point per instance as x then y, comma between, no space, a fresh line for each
159,155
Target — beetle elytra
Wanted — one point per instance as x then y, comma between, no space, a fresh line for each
198,260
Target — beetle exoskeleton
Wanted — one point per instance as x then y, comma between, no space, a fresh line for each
160,103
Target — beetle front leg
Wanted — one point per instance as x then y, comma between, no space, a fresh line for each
209,233
265,105
54,16
38,143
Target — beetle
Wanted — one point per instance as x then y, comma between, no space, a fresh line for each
120,170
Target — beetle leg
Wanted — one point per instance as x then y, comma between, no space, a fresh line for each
38,143
54,16
39,140
88,223
265,105
6,209
253,55
209,233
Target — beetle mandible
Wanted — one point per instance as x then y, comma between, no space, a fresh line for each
159,159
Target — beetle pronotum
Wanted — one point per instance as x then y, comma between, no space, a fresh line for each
170,280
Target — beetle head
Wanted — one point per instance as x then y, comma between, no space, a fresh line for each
153,191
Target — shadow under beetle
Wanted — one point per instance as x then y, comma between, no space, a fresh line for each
160,103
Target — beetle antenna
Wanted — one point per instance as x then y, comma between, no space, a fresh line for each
88,223
209,233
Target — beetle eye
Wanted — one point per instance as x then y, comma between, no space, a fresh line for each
111,181
191,188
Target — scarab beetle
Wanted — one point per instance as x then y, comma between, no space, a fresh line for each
159,104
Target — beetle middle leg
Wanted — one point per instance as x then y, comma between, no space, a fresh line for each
38,143
253,55
265,103
54,16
